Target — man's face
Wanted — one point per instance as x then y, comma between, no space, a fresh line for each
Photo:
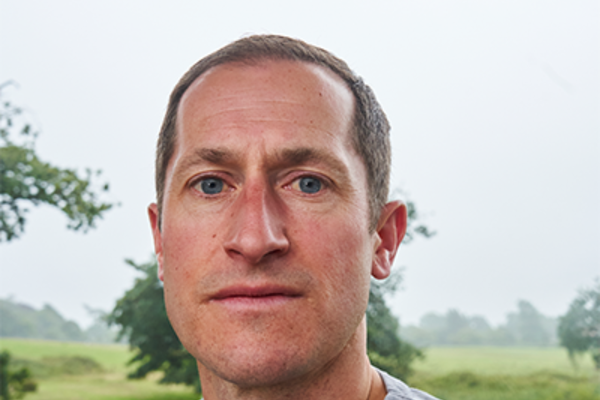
264,248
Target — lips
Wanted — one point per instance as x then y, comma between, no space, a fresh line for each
254,292
245,298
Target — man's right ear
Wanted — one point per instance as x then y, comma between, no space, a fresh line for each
157,235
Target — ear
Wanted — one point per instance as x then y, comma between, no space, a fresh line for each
157,235
390,232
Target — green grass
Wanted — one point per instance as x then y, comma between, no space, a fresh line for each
110,384
535,386
108,387
500,360
112,357
451,373
505,373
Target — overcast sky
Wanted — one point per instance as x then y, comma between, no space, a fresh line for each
495,116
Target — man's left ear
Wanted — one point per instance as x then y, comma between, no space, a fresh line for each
390,232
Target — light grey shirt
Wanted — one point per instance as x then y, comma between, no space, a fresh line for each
398,390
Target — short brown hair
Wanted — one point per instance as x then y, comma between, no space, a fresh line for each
370,136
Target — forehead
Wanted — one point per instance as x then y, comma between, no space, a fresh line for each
267,92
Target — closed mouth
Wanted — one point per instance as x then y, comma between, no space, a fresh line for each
254,292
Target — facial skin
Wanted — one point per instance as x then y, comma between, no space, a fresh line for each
264,247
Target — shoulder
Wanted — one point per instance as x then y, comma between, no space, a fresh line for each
398,390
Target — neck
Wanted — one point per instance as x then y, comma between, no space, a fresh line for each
349,376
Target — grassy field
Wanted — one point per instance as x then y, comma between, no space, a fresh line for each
469,373
499,373
110,383
501,360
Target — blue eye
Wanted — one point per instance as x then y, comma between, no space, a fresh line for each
309,184
211,185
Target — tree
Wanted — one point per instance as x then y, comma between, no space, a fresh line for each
14,384
385,348
26,179
143,320
528,325
579,328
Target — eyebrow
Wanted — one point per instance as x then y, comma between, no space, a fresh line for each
282,158
305,155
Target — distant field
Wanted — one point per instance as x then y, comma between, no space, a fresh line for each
112,384
505,373
501,360
113,357
452,373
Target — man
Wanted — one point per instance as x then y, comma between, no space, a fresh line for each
272,177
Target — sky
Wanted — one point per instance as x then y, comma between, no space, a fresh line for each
495,114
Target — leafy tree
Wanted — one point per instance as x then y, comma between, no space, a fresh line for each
20,320
143,319
526,327
25,179
14,384
385,348
529,326
579,328
99,331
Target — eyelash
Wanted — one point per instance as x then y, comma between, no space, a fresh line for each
197,180
325,183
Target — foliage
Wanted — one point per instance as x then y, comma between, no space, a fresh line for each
23,321
59,366
14,384
143,319
385,348
19,320
415,226
526,327
579,328
529,327
25,179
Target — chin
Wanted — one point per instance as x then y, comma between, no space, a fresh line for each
269,368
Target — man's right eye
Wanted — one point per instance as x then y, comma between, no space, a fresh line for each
210,186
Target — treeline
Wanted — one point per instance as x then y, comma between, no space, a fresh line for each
23,321
525,327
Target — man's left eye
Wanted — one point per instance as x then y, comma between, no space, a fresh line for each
308,184
210,186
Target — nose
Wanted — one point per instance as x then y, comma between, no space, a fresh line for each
256,229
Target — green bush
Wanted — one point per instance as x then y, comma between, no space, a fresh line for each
14,382
58,366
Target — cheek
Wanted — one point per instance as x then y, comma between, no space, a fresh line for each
188,240
189,245
339,254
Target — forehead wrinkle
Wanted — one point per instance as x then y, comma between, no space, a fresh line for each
307,155
217,156
244,114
